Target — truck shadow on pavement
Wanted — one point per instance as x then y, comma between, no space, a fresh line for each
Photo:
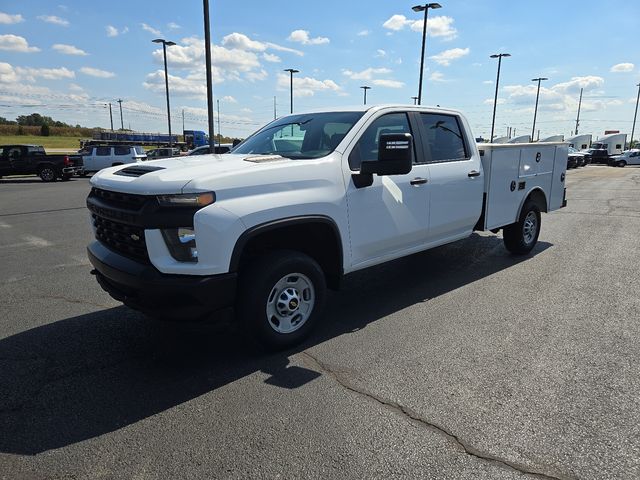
79,378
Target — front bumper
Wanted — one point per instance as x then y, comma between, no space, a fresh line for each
142,287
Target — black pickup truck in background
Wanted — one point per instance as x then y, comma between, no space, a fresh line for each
32,159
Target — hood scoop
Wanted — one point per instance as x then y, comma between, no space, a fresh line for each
137,170
264,158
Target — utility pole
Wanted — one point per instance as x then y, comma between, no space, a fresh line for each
579,106
275,112
121,120
183,121
635,116
111,116
207,49
219,134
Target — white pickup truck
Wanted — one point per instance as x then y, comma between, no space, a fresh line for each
304,201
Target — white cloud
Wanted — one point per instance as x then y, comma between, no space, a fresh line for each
8,19
436,26
8,73
589,82
173,26
54,20
446,57
257,76
96,72
30,74
74,87
269,57
240,41
307,86
15,43
193,85
363,33
366,74
437,77
382,82
489,101
68,49
150,29
114,32
229,98
381,53
488,82
623,67
303,37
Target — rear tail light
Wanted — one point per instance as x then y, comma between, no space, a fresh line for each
67,161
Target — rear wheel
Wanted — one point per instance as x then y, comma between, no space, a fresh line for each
622,163
520,237
281,295
47,174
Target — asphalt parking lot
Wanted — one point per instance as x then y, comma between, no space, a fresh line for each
462,362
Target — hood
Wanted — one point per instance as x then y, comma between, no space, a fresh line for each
200,173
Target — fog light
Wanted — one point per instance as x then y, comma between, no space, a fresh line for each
181,243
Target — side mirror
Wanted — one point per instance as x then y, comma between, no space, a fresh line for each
394,156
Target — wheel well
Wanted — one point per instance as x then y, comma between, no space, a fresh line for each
318,239
539,198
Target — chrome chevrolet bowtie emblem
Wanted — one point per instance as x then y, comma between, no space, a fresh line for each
134,237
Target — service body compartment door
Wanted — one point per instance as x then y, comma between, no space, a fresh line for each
558,180
502,167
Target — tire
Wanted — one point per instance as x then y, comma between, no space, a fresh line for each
47,174
280,297
522,236
65,177
622,164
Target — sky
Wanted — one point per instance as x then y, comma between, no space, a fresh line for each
69,60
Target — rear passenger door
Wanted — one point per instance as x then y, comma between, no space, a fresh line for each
456,183
5,161
122,155
103,157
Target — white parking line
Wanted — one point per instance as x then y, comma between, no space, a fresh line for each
4,225
29,241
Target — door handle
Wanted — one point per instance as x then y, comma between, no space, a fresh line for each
473,173
418,181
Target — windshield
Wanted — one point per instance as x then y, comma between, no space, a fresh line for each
311,135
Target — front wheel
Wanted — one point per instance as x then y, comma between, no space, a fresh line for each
522,236
622,163
281,295
47,174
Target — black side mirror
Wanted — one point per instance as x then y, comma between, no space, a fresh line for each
394,156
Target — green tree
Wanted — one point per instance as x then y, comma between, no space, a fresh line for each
44,130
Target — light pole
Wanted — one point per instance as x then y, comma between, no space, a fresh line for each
291,72
365,88
535,111
219,134
121,119
635,116
415,100
165,44
495,100
207,50
111,116
579,106
423,8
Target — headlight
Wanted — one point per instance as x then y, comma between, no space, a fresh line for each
181,243
187,199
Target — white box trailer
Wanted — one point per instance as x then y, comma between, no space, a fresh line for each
552,139
580,142
513,172
614,144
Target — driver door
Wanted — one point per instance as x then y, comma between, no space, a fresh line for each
389,218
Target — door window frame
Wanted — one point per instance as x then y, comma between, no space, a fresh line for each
424,139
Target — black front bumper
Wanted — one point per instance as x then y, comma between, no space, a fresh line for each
142,287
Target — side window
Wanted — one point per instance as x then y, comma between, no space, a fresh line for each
618,146
121,150
366,149
12,152
444,142
103,151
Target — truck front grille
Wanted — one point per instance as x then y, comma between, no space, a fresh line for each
127,201
125,239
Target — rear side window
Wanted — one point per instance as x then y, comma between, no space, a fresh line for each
122,150
103,151
37,150
139,150
618,146
12,152
444,142
366,150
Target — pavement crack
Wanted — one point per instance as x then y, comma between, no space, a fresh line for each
414,417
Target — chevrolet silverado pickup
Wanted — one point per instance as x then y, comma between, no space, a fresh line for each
32,159
304,201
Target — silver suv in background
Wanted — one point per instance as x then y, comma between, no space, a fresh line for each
96,158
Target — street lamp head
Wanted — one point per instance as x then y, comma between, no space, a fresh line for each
291,70
158,40
422,8
170,44
418,8
498,55
539,79
434,5
365,87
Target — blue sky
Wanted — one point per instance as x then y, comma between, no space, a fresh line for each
68,60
